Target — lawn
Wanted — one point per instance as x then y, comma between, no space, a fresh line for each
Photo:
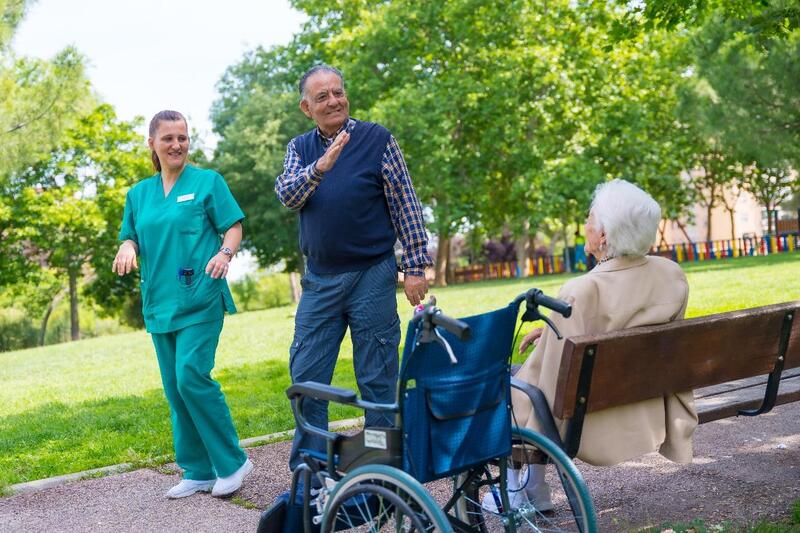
74,406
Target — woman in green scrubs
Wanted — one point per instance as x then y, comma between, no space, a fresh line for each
173,222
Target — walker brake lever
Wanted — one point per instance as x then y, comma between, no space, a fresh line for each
532,314
446,345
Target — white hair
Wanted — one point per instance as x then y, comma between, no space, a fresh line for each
628,216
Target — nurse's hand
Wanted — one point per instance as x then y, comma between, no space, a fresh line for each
125,261
218,266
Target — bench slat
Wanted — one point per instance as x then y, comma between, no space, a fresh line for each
674,357
724,405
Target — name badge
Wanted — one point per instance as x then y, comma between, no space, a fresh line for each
185,197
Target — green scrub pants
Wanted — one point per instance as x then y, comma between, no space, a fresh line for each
205,440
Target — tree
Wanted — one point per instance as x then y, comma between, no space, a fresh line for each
256,117
39,100
71,205
764,19
771,186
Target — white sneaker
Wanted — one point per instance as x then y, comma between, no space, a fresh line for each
536,488
187,487
516,499
226,486
539,496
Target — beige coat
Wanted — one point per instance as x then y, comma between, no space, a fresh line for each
620,293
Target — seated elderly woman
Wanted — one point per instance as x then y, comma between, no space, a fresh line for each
626,289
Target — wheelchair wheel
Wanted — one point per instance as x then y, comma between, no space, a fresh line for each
569,507
381,498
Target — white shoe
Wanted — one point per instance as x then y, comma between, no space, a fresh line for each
187,487
226,486
516,499
536,489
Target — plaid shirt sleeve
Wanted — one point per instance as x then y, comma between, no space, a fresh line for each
297,182
405,210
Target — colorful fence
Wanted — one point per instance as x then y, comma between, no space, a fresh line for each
750,246
696,251
539,266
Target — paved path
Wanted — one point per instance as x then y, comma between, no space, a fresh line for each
745,469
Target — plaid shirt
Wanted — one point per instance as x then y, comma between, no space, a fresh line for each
298,183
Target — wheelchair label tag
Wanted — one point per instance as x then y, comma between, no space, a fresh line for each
374,439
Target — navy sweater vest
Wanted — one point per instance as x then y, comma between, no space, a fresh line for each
345,225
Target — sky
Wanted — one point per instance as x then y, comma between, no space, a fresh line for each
147,55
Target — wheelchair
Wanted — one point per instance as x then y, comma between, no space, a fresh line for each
452,444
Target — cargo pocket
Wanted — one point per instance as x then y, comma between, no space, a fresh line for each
469,424
297,343
382,365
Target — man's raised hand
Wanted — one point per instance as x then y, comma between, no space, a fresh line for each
328,159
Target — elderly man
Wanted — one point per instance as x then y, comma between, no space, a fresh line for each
348,180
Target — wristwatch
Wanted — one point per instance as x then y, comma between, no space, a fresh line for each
227,251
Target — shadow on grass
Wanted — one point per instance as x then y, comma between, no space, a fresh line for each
61,438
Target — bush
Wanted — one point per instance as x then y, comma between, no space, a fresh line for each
17,331
261,291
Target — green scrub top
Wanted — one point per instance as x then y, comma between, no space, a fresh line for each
175,233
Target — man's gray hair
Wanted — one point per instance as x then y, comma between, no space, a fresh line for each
313,70
628,216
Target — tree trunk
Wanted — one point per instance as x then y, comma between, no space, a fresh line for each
75,328
709,208
683,230
733,227
294,283
524,249
46,317
442,259
662,229
769,220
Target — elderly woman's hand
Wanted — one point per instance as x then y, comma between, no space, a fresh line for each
218,266
125,261
529,339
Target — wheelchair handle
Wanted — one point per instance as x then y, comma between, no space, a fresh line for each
535,297
432,314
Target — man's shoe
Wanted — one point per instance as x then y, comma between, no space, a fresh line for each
187,487
226,486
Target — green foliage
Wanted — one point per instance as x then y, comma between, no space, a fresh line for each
11,13
258,291
250,156
508,113
765,19
17,330
751,93
39,100
71,203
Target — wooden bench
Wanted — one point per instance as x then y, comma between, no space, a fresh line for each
738,363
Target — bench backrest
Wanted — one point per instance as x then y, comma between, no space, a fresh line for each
649,362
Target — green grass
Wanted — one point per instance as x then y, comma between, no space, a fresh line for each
81,405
